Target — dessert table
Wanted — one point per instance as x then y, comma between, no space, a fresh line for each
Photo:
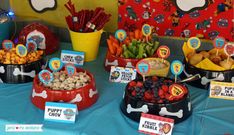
209,117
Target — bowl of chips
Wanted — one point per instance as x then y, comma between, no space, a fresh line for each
19,66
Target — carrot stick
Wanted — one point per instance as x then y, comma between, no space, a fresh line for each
119,51
110,47
137,34
141,35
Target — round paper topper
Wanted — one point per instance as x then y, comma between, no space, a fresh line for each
194,43
21,50
31,46
146,30
229,49
7,45
219,42
55,64
143,67
177,90
176,67
70,69
45,76
163,52
120,35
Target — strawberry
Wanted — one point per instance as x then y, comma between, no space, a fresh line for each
134,93
139,84
155,78
148,95
165,88
132,83
160,101
160,92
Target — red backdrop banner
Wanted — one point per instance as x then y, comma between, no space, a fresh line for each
168,18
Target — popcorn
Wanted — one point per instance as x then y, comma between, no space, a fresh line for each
10,57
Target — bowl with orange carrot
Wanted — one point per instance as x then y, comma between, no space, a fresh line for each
128,52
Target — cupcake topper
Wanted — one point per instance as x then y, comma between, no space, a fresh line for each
7,45
146,31
229,50
143,68
176,68
21,50
45,76
55,64
218,43
163,52
194,43
120,35
70,69
31,46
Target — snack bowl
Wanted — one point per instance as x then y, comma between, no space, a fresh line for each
83,97
112,60
20,73
206,75
132,107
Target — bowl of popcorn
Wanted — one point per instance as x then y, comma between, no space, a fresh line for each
18,65
76,86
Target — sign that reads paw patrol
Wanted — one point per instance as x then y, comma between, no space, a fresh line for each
222,90
155,125
60,112
122,75
76,58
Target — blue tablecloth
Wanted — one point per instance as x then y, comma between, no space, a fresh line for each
210,116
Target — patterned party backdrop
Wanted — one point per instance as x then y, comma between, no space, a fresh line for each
181,18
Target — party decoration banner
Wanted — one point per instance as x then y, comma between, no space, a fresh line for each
181,18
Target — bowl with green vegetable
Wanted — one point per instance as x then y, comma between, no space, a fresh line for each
129,52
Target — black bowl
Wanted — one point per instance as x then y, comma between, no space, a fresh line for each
206,76
180,110
21,73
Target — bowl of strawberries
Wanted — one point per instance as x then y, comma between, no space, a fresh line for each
158,96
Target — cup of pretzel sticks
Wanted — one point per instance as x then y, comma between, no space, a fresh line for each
85,28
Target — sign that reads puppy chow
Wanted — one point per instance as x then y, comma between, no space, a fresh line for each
76,58
222,90
60,112
122,75
155,125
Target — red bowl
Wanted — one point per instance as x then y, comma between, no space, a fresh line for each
112,60
84,97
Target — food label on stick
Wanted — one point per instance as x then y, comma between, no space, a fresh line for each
219,42
76,58
120,35
21,50
163,52
229,49
122,75
146,30
55,64
177,91
176,67
194,43
143,67
155,125
7,45
45,76
31,46
70,69
60,112
222,90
